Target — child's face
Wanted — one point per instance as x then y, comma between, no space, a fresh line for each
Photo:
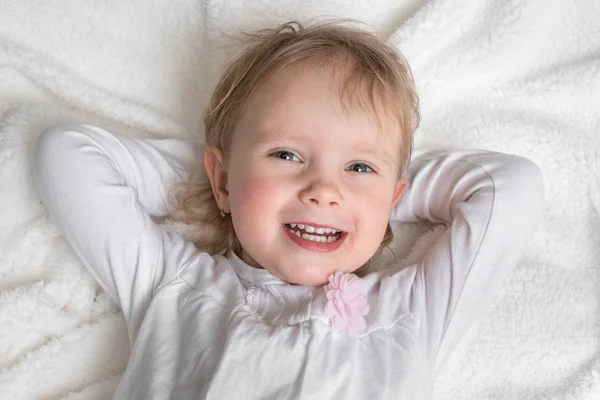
297,158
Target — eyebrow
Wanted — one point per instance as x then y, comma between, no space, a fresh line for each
273,136
381,155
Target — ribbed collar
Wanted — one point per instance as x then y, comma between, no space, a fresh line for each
257,276
314,297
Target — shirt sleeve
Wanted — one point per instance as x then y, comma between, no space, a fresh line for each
491,203
102,189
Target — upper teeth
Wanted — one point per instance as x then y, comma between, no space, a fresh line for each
312,229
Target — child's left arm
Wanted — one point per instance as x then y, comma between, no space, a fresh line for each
491,202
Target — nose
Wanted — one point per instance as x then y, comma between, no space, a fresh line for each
321,192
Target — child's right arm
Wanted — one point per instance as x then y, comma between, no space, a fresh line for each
101,189
491,202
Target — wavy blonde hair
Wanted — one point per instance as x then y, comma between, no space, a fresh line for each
376,74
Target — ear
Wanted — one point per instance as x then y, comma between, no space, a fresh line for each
400,187
214,163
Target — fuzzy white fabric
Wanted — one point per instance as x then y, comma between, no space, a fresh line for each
517,76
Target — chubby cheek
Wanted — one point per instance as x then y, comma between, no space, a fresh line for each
254,201
373,216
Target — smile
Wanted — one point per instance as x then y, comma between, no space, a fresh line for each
313,233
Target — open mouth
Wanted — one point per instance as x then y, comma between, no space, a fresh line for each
314,234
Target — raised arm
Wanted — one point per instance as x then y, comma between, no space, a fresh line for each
101,189
491,203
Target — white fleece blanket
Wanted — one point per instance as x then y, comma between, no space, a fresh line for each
517,76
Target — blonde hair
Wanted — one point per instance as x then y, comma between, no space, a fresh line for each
377,72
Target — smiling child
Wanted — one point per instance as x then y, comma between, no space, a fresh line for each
308,154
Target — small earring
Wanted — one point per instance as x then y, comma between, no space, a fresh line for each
222,213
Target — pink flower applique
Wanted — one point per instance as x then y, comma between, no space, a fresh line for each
346,303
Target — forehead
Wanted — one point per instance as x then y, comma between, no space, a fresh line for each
322,90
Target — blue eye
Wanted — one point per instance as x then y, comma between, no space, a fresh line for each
286,155
360,167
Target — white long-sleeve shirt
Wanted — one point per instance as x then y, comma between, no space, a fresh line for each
212,327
